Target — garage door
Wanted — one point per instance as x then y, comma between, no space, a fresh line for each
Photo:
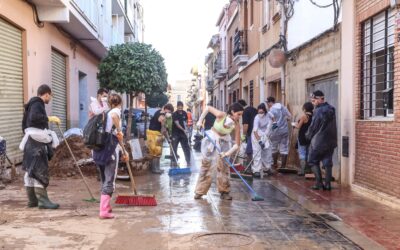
329,86
59,88
11,88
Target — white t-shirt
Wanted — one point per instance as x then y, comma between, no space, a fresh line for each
109,125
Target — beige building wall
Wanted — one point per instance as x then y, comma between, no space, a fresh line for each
268,37
37,46
347,90
319,58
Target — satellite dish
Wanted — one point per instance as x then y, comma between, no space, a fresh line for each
277,58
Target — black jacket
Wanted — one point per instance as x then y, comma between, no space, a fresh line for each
322,132
35,115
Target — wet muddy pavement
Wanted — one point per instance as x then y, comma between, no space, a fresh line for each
178,222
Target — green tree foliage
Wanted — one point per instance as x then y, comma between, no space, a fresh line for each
156,100
133,68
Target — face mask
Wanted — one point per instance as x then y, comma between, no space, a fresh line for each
168,115
104,99
228,122
261,115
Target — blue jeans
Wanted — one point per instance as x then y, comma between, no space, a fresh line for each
303,151
249,147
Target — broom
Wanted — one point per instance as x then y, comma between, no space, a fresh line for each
134,199
255,196
92,199
177,171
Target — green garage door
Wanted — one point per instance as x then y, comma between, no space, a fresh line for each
11,88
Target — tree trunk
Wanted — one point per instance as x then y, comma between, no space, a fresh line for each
145,118
129,125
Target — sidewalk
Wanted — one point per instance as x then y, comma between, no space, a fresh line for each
372,219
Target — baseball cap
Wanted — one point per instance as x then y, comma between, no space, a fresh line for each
317,94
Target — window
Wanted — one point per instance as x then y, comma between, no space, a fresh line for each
251,12
377,74
265,12
230,51
178,98
251,94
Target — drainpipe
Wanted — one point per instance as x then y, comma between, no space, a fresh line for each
283,34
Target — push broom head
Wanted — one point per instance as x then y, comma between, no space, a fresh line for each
256,197
136,200
178,171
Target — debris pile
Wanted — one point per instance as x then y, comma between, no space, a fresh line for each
62,163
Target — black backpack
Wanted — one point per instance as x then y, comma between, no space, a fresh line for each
94,133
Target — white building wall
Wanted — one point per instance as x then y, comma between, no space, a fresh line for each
308,22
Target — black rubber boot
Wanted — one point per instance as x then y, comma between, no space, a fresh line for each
328,178
302,168
275,158
44,202
155,166
318,178
32,200
283,161
226,196
257,175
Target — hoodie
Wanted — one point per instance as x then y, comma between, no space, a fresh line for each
322,132
35,115
280,114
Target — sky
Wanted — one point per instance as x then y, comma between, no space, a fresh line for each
180,30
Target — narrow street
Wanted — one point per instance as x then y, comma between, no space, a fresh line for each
177,222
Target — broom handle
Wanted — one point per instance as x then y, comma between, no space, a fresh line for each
230,164
172,149
76,163
128,164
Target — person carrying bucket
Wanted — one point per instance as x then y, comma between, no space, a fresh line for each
220,134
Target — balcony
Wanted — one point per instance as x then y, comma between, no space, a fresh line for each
210,86
240,56
220,68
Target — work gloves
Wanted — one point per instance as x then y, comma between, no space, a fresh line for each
54,119
262,144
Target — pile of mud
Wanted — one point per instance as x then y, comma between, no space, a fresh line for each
62,163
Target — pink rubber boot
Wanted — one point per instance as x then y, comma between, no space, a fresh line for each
104,207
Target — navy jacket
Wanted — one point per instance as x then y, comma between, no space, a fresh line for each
322,132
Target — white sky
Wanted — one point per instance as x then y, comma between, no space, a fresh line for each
180,30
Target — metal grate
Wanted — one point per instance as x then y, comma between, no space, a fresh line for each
377,74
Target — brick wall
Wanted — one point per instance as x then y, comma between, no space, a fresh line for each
377,163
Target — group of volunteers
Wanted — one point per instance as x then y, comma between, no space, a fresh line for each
266,135
265,132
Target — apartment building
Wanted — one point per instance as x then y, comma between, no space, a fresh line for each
59,43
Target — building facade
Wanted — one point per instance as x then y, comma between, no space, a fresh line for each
59,43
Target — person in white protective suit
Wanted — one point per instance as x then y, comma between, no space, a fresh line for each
280,131
262,149
225,124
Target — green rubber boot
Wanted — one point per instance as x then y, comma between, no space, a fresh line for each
32,200
44,202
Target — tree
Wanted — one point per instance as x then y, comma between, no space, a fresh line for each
133,68
156,100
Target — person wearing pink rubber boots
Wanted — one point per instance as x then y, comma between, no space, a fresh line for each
107,158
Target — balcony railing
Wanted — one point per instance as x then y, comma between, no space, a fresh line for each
240,48
220,68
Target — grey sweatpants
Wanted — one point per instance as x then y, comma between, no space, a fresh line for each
108,173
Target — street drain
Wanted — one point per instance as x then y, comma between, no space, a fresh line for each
223,239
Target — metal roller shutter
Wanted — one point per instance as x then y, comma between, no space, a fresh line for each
11,88
59,88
